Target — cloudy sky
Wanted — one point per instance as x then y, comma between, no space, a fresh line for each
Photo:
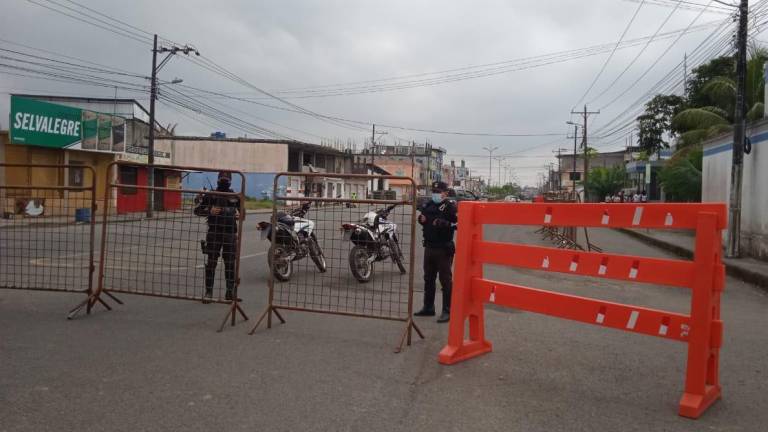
380,62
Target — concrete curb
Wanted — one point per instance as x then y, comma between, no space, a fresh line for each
732,267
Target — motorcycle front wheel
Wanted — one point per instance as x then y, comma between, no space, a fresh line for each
361,268
282,268
317,254
397,255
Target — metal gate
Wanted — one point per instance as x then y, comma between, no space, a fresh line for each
183,250
47,228
337,248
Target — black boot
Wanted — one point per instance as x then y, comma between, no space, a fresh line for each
208,296
445,316
229,294
426,311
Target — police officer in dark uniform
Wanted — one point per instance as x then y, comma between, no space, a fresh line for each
438,218
222,213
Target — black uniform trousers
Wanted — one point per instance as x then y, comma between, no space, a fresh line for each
222,243
437,263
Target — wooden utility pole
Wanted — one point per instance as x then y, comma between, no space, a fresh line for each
733,249
585,116
151,144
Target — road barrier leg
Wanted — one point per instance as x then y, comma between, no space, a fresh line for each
702,383
464,306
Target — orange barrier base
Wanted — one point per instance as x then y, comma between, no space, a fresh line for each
453,354
694,405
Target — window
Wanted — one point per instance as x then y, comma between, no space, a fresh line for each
128,176
575,176
76,174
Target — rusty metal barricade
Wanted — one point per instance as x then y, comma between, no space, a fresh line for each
566,237
47,228
173,250
335,254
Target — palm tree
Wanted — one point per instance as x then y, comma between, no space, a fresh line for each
701,123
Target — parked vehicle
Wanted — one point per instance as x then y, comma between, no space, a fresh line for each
511,198
462,195
294,240
375,239
455,195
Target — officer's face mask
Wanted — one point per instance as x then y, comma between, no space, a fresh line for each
437,197
224,182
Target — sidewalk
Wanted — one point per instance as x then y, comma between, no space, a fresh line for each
682,243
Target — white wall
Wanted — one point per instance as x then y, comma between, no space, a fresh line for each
716,185
249,157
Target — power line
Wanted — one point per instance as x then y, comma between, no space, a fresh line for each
631,63
658,59
610,56
120,33
67,57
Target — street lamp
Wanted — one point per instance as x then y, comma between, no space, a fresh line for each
490,162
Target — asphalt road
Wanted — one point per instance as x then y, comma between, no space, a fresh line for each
158,364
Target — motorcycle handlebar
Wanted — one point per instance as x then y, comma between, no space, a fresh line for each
385,211
301,211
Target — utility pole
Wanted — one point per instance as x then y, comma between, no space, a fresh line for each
373,154
573,174
151,145
733,249
500,159
559,152
685,74
186,49
585,116
490,162
429,162
413,157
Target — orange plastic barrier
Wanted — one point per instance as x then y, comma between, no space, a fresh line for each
702,330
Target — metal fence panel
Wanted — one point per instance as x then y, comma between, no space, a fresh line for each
47,230
179,252
333,253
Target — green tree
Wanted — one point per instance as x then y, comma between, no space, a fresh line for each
718,67
605,181
701,122
681,176
507,189
655,124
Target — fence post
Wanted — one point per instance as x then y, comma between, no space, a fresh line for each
464,305
702,383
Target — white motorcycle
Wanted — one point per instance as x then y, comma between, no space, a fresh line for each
294,240
375,239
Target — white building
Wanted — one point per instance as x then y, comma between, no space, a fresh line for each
716,185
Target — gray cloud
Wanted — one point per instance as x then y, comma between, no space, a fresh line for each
290,44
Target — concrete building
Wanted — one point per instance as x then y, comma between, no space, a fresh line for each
461,174
401,169
83,131
427,156
716,184
567,177
261,159
643,175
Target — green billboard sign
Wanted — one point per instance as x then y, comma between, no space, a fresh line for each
44,124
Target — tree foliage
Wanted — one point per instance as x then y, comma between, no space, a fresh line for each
681,176
507,189
656,122
706,111
605,181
